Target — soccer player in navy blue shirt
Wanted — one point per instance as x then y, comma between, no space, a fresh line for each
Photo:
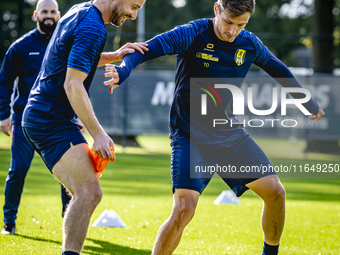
23,60
60,95
214,48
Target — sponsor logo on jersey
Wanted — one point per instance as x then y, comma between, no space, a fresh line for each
240,56
206,56
34,53
209,47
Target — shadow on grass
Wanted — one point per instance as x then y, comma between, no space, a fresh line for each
102,247
105,247
38,239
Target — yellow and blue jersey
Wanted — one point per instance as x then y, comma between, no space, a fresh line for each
201,54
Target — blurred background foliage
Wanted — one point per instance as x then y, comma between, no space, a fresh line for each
285,26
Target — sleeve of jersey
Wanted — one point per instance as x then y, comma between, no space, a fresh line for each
176,41
262,53
131,61
8,74
275,68
86,47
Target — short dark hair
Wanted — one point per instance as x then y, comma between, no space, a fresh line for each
236,7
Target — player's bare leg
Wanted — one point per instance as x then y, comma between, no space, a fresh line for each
272,193
183,210
75,170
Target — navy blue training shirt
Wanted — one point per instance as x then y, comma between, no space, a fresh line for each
77,43
195,45
23,60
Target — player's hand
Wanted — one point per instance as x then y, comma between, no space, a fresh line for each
131,48
111,72
82,129
101,145
318,116
5,126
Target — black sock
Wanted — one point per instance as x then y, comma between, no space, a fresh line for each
70,253
270,249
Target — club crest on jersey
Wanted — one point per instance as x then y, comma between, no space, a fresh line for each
240,56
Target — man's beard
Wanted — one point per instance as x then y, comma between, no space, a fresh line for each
48,29
118,20
117,17
114,17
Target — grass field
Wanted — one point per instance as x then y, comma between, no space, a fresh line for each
138,187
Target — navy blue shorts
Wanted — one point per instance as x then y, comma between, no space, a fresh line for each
52,143
242,157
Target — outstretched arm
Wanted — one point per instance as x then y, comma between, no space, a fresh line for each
109,57
175,41
120,73
275,68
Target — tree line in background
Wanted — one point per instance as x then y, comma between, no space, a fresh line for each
283,25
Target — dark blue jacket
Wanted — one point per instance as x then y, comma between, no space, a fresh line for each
23,60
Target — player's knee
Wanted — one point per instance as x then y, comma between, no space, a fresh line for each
91,196
97,195
280,192
183,214
277,194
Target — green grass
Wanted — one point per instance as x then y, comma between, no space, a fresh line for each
138,187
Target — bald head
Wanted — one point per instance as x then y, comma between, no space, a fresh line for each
46,15
41,1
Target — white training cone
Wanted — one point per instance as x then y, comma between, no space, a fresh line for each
109,218
227,197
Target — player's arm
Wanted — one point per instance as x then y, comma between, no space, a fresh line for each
8,73
87,45
81,105
109,57
275,68
175,41
120,73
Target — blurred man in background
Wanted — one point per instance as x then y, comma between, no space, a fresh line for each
23,60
